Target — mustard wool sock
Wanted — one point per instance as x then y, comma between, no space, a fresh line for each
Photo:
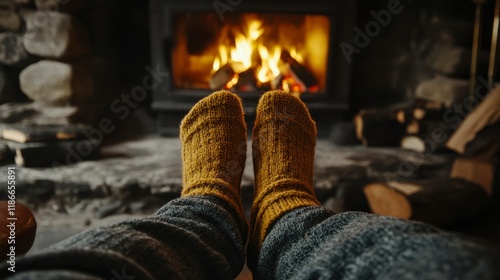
284,140
213,136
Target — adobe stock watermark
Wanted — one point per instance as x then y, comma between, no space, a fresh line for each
122,108
362,38
453,116
10,247
223,6
121,276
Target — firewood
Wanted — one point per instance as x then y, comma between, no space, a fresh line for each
475,170
423,143
221,77
413,128
428,127
303,75
418,110
376,127
486,143
247,80
439,202
484,118
43,133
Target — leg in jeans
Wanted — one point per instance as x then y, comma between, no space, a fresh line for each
198,236
292,237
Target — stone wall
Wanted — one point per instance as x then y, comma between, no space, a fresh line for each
71,53
424,49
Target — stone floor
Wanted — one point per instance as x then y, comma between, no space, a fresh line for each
135,177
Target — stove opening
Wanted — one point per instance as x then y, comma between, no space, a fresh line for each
251,52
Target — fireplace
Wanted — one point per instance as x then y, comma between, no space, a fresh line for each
250,47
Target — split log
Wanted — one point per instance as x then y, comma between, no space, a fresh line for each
475,170
349,196
12,51
60,35
378,128
222,77
438,202
429,127
446,90
44,133
423,144
484,118
9,19
417,113
56,83
486,144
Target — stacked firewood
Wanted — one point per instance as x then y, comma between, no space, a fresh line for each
409,125
427,127
47,145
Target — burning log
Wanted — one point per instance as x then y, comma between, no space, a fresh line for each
300,72
222,77
247,80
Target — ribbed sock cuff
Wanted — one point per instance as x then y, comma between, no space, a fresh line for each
271,204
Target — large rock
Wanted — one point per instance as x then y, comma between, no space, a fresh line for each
12,51
452,60
444,89
9,19
35,114
454,32
54,35
56,83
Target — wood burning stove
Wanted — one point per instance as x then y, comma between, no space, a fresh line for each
250,47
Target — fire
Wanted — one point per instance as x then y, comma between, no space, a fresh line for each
251,52
269,68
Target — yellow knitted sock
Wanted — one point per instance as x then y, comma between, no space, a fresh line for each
213,136
284,138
